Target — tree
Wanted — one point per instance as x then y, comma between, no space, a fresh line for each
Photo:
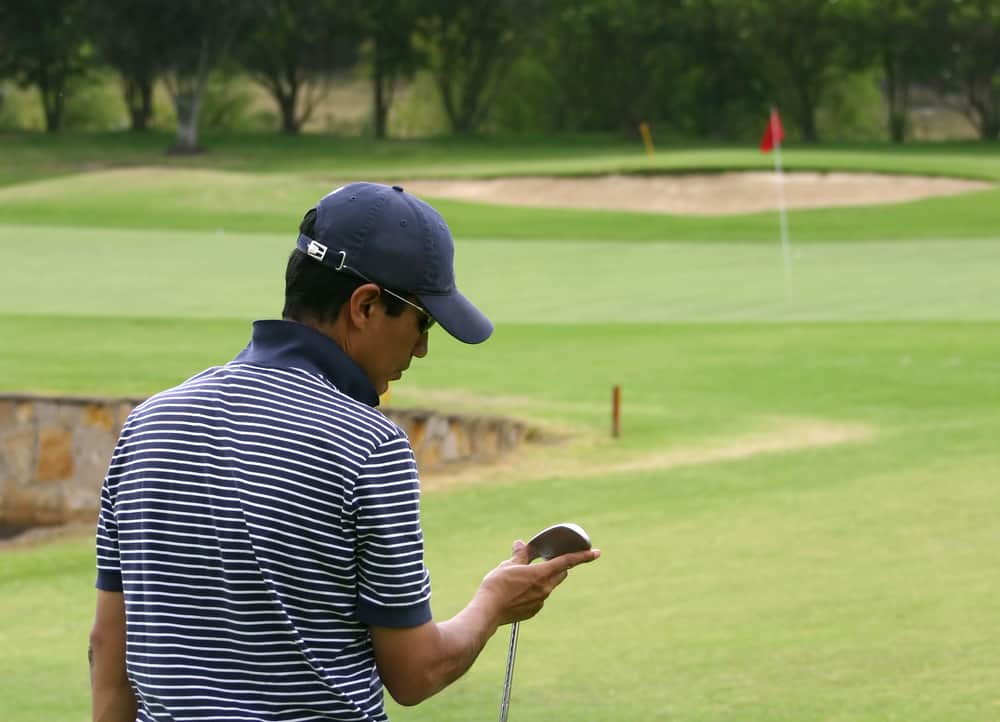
974,32
43,46
605,57
905,39
802,43
197,37
719,75
470,44
290,47
131,41
386,26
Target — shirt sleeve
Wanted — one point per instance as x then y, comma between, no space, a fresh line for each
393,583
109,574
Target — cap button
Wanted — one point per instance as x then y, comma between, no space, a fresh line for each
398,188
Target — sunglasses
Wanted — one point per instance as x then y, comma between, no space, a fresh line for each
426,320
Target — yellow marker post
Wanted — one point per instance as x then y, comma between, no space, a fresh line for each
383,400
647,138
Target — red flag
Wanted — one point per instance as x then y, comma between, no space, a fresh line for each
773,134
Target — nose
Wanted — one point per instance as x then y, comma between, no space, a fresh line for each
420,350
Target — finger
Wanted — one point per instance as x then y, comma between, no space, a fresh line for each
520,552
568,561
558,579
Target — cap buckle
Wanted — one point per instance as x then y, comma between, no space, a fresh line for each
316,250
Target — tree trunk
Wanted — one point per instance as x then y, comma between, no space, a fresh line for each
139,101
380,102
52,102
806,114
188,106
896,94
989,126
286,102
982,108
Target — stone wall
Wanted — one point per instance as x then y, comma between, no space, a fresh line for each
54,451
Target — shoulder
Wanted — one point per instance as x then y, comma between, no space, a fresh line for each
287,399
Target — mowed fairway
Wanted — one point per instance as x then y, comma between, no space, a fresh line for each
798,522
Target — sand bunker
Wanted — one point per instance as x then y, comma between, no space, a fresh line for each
700,194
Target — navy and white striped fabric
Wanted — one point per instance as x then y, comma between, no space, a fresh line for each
258,518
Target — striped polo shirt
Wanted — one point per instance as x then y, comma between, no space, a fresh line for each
258,518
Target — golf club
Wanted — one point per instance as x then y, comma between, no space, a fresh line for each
548,543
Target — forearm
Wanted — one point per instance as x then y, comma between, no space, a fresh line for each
113,704
112,698
419,662
463,637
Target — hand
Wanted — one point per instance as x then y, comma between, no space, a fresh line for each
517,589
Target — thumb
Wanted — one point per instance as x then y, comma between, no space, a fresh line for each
519,553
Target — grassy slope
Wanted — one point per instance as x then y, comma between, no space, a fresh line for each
851,583
811,585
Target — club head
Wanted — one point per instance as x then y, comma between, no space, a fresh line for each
557,540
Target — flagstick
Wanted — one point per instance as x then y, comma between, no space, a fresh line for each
783,215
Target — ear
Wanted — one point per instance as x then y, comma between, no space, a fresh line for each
362,304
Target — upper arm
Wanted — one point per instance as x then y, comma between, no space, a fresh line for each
107,637
406,660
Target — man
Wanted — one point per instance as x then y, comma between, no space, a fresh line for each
260,555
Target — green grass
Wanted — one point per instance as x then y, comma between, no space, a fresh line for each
161,274
48,606
852,582
35,155
174,198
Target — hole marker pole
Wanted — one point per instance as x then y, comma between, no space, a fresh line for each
616,410
647,138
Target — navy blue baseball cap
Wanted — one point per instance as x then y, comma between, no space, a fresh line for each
384,234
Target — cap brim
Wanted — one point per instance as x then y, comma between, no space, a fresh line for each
458,316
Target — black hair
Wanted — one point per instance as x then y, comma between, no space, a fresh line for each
314,292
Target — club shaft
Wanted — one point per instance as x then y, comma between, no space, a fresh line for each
509,678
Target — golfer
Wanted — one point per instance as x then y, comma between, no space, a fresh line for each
259,549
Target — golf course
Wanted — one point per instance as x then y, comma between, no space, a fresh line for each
796,522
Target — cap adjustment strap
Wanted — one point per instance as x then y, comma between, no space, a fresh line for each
315,249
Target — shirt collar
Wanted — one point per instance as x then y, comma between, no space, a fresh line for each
287,344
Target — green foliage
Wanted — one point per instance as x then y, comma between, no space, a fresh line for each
227,104
289,47
692,68
524,99
96,105
418,112
852,109
718,80
41,45
974,32
469,46
19,108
